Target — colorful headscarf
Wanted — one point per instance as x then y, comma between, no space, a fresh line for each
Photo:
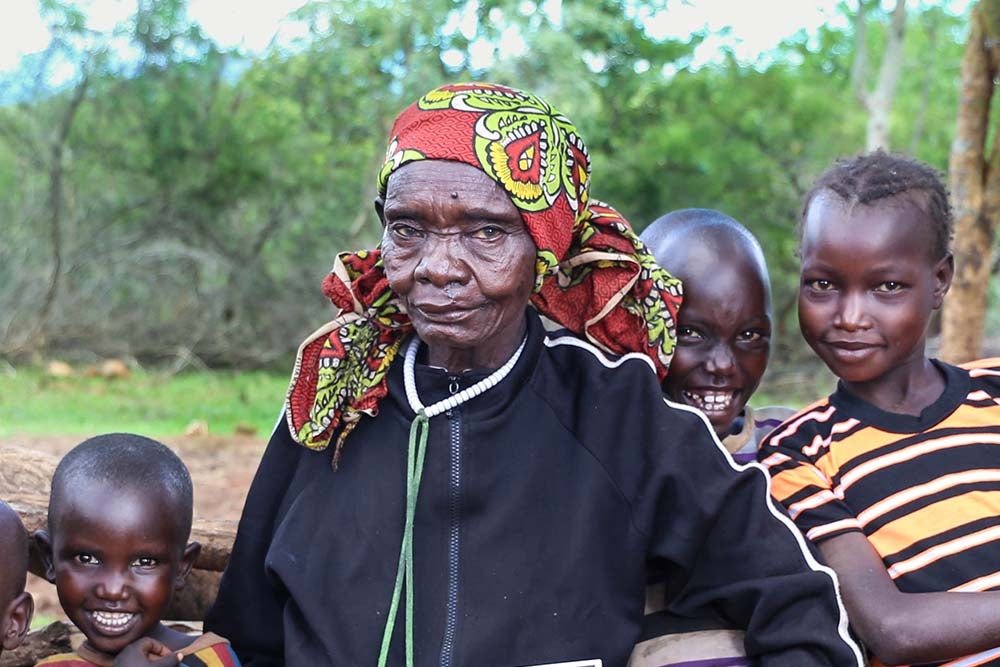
593,275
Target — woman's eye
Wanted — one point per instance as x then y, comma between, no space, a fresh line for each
889,286
404,231
488,233
85,559
144,561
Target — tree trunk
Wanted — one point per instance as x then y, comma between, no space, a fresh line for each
56,198
878,102
975,189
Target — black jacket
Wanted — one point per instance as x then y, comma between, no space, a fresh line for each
544,504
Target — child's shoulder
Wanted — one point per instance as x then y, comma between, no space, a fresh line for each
987,364
804,423
984,376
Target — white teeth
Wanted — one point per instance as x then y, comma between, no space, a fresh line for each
711,400
114,619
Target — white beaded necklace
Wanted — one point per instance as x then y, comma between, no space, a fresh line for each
457,399
415,451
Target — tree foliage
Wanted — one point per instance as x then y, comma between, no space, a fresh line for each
172,199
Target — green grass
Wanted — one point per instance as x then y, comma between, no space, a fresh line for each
39,621
33,403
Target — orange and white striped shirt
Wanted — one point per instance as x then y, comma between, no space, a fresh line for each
924,490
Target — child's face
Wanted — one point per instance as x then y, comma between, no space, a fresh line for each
116,559
723,342
869,286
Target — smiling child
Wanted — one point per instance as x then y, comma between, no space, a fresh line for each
724,324
117,548
894,476
16,605
723,344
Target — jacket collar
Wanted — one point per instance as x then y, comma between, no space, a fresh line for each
435,384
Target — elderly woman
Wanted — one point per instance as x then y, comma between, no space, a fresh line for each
496,495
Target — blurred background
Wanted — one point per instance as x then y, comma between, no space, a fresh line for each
176,176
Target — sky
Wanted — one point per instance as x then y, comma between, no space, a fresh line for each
750,27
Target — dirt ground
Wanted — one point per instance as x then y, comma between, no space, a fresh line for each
222,468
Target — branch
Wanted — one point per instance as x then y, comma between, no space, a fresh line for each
925,90
56,198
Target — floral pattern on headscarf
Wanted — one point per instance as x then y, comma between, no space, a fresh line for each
593,274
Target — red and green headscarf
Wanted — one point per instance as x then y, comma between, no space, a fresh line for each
593,275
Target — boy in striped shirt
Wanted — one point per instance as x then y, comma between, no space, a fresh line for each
896,475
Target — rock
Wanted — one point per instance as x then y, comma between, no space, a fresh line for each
52,639
245,429
114,369
196,429
59,369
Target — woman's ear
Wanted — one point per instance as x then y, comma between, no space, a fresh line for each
944,271
43,543
17,620
380,209
188,558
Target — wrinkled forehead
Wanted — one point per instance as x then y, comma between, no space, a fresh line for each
516,139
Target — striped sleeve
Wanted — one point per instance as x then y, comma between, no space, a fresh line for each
796,455
217,655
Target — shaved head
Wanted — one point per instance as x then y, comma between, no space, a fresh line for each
13,555
691,243
126,462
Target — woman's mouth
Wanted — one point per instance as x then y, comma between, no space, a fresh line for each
440,314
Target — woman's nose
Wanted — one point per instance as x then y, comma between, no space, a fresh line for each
442,260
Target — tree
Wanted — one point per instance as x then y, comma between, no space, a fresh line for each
878,101
974,169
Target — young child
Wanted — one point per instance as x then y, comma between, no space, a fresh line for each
895,475
117,547
724,324
723,344
16,605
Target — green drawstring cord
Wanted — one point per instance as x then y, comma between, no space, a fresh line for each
416,449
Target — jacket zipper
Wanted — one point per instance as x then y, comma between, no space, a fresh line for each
451,613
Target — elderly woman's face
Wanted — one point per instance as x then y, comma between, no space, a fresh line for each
460,258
